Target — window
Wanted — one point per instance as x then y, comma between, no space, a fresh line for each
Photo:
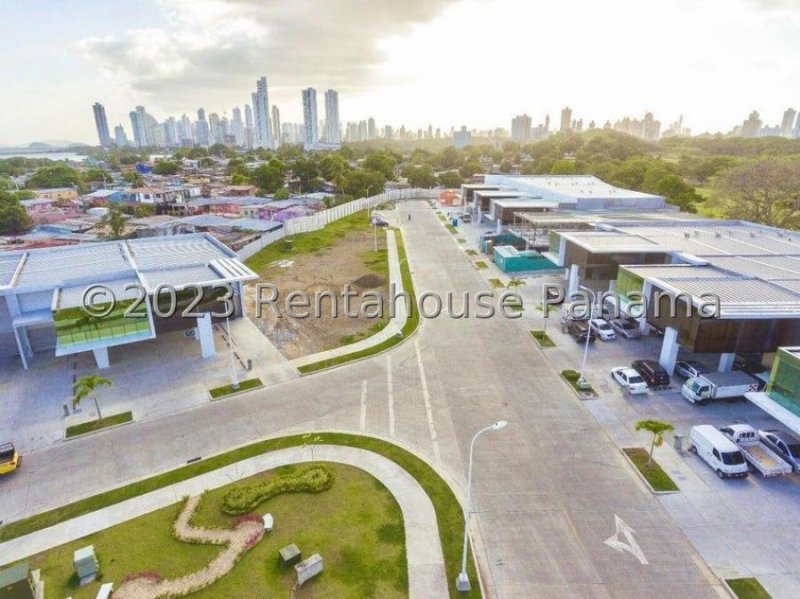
716,454
733,458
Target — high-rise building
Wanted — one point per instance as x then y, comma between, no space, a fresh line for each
566,119
249,130
214,133
752,126
521,128
547,124
237,126
101,124
462,138
372,130
388,133
310,137
138,127
276,125
333,133
120,139
262,125
202,132
788,122
170,133
185,137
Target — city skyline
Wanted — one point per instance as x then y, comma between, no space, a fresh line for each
399,63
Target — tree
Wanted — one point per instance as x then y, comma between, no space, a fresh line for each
143,210
657,428
87,386
363,182
382,162
563,167
450,179
506,166
421,177
678,192
166,167
765,191
58,175
515,282
134,179
281,194
115,219
268,177
13,217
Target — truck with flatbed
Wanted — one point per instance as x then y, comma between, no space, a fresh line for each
718,385
758,455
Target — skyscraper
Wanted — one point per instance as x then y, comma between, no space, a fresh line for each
521,127
310,137
215,134
788,122
276,125
202,132
263,128
120,139
752,126
170,133
372,130
102,124
249,131
237,126
138,127
566,119
333,133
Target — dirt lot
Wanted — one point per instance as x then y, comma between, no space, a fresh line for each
351,259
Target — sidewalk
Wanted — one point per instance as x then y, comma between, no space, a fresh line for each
426,573
392,328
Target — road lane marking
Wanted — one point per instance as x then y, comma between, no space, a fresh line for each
390,393
427,398
630,545
363,420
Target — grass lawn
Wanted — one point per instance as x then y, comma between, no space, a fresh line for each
471,252
412,322
542,338
449,515
461,240
658,479
452,229
96,425
308,243
481,265
356,526
572,377
748,588
496,283
219,392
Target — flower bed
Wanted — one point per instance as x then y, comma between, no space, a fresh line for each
245,498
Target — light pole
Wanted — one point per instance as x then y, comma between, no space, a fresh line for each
581,380
462,581
234,380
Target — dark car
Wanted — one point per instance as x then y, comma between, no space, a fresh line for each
689,369
579,329
786,445
652,372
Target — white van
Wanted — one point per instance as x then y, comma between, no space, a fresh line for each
718,451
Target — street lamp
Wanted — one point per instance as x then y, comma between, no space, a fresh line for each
462,581
581,380
234,379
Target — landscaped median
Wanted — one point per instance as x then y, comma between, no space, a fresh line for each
542,338
747,588
658,480
572,377
410,326
76,430
228,390
449,514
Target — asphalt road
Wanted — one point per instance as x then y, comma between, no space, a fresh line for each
546,489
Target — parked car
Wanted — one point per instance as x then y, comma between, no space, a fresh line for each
602,329
718,451
466,217
10,460
629,379
379,221
626,327
690,368
758,454
579,329
785,444
652,372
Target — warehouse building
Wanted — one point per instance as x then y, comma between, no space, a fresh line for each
43,293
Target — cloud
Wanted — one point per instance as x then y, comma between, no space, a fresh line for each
776,4
209,46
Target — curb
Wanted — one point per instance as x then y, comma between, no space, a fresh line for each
641,476
100,430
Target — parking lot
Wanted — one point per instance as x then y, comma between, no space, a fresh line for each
741,527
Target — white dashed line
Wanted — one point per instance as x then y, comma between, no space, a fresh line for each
427,397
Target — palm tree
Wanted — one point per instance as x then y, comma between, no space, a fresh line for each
657,428
87,386
515,282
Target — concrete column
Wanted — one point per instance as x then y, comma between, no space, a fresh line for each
726,362
21,346
573,281
669,350
101,357
643,326
499,226
205,335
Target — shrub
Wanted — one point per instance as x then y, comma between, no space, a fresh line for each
245,498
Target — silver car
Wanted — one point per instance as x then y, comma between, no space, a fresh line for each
785,444
626,327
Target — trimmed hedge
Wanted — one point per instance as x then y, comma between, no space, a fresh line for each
245,498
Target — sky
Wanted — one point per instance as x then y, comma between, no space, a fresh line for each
414,62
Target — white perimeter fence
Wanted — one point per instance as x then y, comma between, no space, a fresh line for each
315,222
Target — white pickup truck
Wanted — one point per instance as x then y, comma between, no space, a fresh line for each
718,385
760,457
